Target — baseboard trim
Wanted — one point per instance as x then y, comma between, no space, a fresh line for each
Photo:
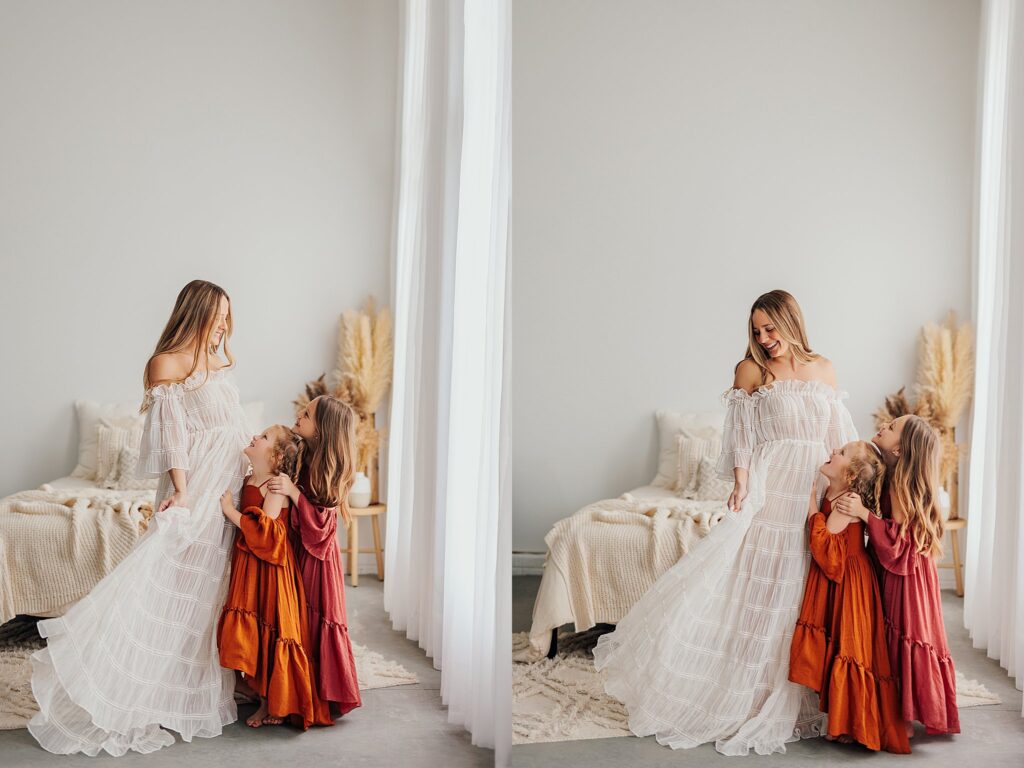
528,563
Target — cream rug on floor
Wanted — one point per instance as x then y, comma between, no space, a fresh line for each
563,699
19,640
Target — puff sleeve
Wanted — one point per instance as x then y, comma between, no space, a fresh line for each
165,437
840,424
738,433
828,549
263,536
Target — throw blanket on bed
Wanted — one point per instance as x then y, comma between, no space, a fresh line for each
612,551
55,545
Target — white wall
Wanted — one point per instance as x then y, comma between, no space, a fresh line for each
144,144
672,161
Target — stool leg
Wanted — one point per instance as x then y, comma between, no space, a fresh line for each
376,546
956,564
353,551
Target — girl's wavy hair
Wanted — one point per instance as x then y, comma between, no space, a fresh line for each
785,314
329,457
193,318
284,453
866,475
915,484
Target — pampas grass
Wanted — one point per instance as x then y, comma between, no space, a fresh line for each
945,371
362,374
945,381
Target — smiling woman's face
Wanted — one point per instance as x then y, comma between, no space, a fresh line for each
220,323
767,335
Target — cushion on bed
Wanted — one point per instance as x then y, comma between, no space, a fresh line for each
671,424
711,487
691,451
90,413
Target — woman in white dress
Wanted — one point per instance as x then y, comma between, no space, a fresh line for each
703,656
137,657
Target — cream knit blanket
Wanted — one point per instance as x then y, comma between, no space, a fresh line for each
55,545
611,552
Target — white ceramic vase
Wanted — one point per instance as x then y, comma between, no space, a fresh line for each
359,496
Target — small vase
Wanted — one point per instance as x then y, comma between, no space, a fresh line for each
359,496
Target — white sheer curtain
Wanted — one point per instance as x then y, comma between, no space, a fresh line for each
446,480
994,599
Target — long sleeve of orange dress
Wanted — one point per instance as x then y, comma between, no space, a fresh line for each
264,536
828,549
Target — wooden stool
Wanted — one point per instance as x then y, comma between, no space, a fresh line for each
374,511
953,527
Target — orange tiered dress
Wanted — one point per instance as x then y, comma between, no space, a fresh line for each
263,630
839,647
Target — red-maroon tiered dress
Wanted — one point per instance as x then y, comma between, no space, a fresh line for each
915,631
318,557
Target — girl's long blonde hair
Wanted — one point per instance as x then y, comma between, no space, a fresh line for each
915,485
329,459
784,313
192,320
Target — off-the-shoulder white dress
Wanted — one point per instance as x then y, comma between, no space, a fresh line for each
703,656
137,657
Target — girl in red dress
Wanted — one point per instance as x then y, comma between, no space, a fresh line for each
907,541
839,649
263,631
327,428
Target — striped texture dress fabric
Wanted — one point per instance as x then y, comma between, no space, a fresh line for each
137,657
703,656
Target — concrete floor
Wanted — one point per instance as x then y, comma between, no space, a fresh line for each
401,726
991,737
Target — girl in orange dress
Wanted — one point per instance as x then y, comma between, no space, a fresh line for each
839,648
263,630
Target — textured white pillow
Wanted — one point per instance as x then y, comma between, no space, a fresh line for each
691,451
671,424
111,439
711,487
90,413
126,477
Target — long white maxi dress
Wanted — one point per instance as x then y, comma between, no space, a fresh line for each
703,656
137,657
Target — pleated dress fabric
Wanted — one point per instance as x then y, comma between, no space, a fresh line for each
314,530
703,656
137,657
263,630
914,626
839,648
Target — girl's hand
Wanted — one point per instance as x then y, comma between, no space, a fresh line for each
227,503
283,485
737,497
176,499
850,504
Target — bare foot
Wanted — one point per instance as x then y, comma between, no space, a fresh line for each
271,720
242,687
844,739
257,718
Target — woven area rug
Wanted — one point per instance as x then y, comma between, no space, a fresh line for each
19,640
563,699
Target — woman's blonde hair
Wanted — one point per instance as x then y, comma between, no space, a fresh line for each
915,485
784,313
192,319
866,475
329,458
